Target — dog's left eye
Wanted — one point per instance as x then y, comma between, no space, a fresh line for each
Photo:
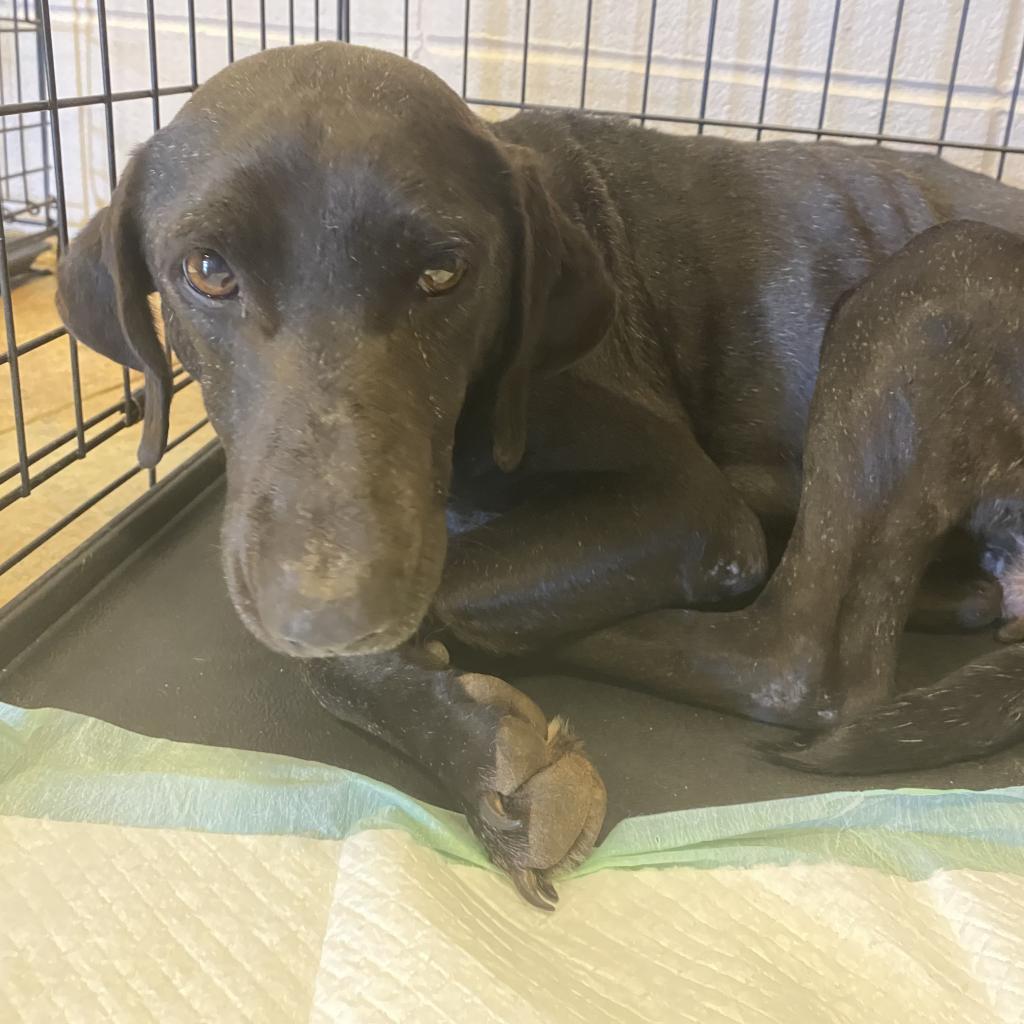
208,273
443,275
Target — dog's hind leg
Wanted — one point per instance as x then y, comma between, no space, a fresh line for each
874,504
917,415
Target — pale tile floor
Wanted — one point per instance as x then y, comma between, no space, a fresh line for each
49,411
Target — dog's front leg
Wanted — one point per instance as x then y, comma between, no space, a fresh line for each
530,794
596,549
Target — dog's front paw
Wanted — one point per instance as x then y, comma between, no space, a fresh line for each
539,804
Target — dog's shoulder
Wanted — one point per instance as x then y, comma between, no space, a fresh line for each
544,129
610,141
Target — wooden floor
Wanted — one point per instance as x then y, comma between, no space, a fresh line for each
48,404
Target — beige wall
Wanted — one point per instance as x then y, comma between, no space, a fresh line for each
619,33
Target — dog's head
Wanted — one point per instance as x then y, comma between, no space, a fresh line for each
344,254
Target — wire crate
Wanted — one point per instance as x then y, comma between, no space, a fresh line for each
83,83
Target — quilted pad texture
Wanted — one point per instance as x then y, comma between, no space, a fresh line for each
144,880
110,923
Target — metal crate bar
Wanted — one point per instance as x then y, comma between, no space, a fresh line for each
893,50
108,125
344,33
29,346
34,197
768,67
19,92
465,50
652,22
57,443
62,219
709,52
137,404
70,103
12,355
829,62
16,129
526,53
154,83
1011,114
965,11
74,456
80,510
753,126
588,25
193,59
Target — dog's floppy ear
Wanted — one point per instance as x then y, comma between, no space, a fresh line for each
562,302
103,285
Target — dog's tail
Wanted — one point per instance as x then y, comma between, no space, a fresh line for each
970,713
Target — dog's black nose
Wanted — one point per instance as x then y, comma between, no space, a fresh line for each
316,632
341,619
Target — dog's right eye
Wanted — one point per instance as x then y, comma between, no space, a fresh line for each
444,275
208,273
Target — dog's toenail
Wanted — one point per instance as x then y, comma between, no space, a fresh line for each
528,882
438,652
547,889
492,810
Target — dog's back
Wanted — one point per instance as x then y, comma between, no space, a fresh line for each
823,189
734,254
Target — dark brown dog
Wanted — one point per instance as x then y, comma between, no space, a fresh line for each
515,385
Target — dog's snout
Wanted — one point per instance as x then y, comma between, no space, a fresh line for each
314,610
313,630
334,538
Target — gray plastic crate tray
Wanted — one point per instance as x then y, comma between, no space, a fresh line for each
136,628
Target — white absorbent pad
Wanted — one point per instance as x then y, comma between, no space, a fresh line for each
144,880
